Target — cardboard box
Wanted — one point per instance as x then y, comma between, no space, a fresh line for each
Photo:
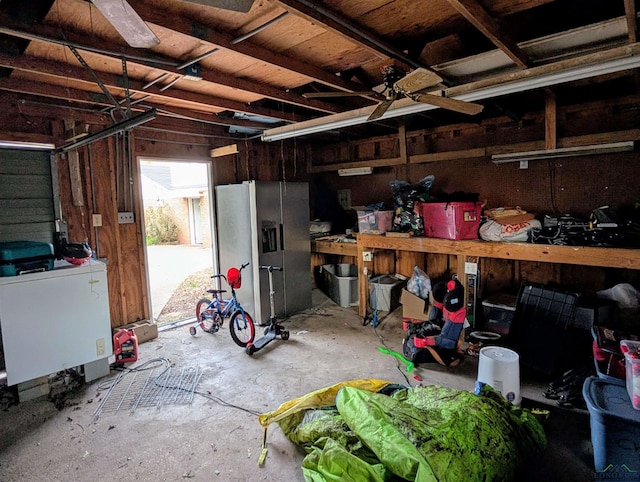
414,308
144,330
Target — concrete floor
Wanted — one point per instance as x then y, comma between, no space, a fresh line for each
210,440
168,266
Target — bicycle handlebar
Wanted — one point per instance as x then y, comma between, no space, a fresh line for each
220,275
271,268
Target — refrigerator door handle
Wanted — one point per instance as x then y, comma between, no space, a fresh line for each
281,237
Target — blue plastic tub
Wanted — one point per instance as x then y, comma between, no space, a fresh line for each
615,425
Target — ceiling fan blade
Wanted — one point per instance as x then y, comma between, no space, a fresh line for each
380,109
236,5
419,79
315,95
127,22
461,106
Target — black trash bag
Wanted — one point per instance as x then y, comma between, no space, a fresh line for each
406,197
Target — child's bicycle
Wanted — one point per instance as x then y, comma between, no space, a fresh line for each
210,314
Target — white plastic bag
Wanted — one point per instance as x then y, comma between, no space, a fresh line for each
419,284
627,297
517,232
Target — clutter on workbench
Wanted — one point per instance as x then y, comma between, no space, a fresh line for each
406,200
508,224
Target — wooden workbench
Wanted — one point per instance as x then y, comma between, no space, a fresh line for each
462,250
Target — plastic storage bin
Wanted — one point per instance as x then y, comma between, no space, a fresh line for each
385,291
455,220
341,283
374,222
631,350
615,425
540,329
498,312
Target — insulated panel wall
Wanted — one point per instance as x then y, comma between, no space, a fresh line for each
26,196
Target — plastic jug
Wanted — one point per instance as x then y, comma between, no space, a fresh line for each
125,346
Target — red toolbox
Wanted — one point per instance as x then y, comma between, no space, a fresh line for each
20,257
453,220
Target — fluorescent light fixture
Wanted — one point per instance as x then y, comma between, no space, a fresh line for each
111,130
563,152
27,145
355,171
526,81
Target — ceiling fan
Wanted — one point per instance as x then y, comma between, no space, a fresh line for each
137,33
398,84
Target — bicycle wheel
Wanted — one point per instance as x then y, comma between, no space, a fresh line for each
208,318
242,328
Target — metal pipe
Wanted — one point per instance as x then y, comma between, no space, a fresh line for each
42,38
157,79
109,131
170,84
197,59
130,167
259,29
387,49
93,198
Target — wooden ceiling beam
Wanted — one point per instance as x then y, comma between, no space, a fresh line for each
114,83
480,18
26,137
346,28
159,63
632,24
550,120
154,14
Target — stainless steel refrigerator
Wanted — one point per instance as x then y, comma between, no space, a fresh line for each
266,223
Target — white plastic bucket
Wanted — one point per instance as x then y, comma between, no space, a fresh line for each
500,368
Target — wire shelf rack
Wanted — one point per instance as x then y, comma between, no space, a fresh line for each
155,388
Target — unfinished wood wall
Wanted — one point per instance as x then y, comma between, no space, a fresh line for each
459,158
121,246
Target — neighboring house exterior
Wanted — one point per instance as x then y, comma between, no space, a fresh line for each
184,189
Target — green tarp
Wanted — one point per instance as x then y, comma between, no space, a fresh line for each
423,434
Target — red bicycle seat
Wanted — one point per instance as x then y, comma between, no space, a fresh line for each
233,278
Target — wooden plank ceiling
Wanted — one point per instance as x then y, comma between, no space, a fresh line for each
63,56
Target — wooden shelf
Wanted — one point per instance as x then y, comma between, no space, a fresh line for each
577,255
328,245
582,255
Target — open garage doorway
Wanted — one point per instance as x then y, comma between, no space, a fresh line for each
179,236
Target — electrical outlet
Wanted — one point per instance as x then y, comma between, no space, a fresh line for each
125,218
470,268
367,256
344,198
100,347
97,220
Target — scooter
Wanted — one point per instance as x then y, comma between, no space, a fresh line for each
274,329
